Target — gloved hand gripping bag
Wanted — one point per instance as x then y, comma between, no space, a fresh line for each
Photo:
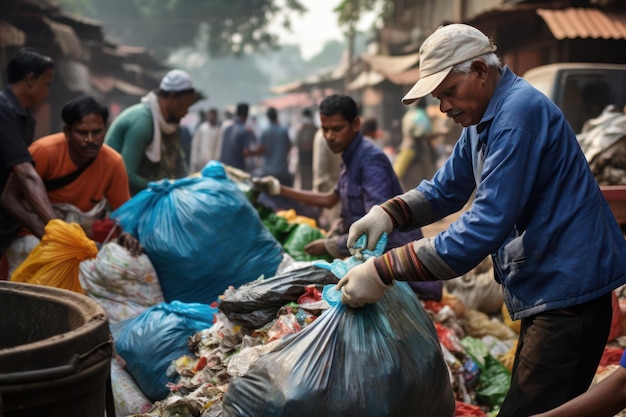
201,234
380,360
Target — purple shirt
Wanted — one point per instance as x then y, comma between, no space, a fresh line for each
367,179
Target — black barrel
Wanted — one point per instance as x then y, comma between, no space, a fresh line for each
55,353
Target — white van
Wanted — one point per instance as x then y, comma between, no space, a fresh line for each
581,90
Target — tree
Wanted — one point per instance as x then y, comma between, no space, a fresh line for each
349,12
234,26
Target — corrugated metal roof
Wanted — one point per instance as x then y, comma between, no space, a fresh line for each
286,88
106,83
408,77
390,65
65,38
366,79
10,35
572,23
382,67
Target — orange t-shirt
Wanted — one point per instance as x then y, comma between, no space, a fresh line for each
105,177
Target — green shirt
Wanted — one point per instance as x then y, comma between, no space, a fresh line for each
130,134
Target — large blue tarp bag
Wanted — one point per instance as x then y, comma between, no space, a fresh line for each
150,342
201,234
382,360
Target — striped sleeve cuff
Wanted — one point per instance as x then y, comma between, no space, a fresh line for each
402,264
399,212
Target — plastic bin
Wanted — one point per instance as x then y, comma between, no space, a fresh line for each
55,353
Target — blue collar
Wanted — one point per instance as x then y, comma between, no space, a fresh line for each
507,78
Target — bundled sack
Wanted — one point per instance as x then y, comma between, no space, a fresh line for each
477,289
122,284
150,342
255,304
201,234
380,360
55,261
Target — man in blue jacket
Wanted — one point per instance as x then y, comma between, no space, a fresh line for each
556,247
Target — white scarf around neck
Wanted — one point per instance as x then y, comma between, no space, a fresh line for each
153,151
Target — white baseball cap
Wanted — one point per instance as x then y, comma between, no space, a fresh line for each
176,80
447,46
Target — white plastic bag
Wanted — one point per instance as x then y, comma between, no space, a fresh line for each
124,285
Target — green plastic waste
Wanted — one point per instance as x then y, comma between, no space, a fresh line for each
299,237
495,379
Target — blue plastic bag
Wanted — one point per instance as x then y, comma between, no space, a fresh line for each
201,234
151,341
340,267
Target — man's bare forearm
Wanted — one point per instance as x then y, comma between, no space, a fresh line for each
25,198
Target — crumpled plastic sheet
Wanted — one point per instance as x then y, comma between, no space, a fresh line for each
256,303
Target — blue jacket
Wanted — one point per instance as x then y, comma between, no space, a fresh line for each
538,209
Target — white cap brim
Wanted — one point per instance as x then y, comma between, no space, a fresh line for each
425,86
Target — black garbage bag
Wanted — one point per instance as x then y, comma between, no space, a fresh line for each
382,360
256,303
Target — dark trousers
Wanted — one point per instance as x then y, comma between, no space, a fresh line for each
557,356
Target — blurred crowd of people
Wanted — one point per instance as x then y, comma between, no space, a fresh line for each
104,163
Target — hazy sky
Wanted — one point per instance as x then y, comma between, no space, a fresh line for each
317,26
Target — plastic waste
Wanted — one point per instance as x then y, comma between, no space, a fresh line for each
255,304
201,234
380,360
55,261
150,342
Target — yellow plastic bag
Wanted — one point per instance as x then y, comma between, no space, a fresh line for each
292,217
54,262
402,162
508,358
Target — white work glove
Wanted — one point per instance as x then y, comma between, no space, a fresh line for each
362,285
373,225
268,184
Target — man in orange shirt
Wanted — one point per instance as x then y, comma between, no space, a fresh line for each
82,175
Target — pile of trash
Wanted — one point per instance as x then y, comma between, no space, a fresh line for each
603,141
284,343
223,369
210,323
253,363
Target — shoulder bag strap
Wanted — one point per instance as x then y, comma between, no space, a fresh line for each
56,183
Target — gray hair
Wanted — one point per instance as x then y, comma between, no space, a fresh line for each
490,59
